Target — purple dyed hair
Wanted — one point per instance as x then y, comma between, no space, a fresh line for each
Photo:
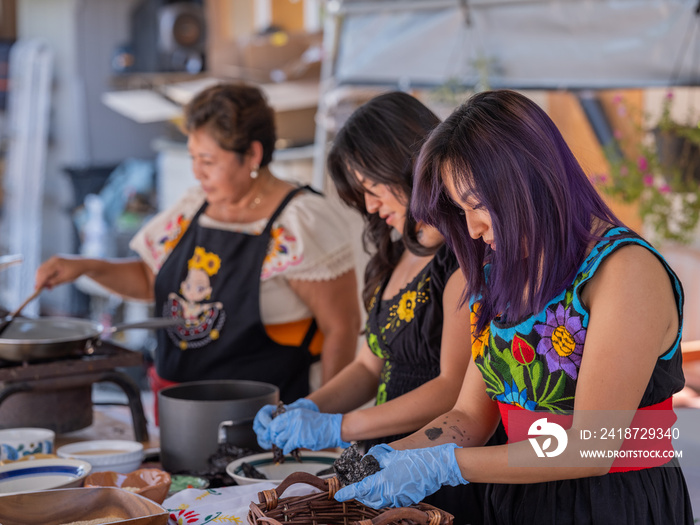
505,151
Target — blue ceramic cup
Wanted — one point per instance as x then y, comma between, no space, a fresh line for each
15,443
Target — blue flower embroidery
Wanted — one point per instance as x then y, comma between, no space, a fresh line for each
513,396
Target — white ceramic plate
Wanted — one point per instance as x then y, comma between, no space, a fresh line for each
42,474
312,462
118,455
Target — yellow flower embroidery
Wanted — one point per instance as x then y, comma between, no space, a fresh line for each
478,341
373,300
277,246
174,232
563,341
206,261
405,309
227,519
282,252
406,306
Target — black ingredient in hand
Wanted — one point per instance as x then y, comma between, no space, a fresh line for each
277,454
352,466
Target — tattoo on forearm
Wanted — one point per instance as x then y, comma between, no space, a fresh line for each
433,433
457,430
458,436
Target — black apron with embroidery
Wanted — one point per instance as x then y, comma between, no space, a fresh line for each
212,280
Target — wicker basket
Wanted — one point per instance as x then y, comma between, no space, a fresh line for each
322,509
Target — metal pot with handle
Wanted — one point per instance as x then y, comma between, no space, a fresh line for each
55,337
191,416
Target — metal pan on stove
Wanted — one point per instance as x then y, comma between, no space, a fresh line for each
54,337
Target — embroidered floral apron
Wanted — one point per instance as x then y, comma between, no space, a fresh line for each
212,280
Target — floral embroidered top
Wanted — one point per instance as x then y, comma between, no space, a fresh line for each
308,243
534,363
406,330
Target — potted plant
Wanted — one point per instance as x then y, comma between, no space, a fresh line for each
677,145
658,168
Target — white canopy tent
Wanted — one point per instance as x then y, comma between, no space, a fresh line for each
519,44
526,44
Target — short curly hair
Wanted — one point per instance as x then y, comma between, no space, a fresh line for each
236,115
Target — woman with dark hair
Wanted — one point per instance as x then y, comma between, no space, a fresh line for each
576,329
417,349
257,268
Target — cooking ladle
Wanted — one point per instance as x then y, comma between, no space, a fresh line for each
9,318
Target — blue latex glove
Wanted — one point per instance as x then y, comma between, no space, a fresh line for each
261,423
407,476
304,428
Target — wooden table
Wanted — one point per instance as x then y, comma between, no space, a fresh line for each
110,422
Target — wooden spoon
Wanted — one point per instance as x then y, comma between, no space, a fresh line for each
8,319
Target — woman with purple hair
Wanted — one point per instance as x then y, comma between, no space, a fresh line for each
416,348
576,326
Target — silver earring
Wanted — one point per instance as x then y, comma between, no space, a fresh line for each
254,173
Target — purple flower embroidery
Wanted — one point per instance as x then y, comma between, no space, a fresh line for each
562,341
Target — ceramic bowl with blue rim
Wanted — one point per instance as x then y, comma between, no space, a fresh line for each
15,443
42,474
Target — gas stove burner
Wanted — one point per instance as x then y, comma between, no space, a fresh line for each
105,356
57,393
90,353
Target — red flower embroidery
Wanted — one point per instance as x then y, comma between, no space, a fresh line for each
189,516
522,351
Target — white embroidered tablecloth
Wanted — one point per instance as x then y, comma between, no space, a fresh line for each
222,505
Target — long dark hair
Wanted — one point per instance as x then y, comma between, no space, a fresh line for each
506,153
381,140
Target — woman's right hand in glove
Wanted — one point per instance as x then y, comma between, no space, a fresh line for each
304,428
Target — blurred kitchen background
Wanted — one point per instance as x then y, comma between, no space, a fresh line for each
91,94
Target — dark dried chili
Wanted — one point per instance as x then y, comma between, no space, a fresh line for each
277,454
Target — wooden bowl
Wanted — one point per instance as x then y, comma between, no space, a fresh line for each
151,483
80,505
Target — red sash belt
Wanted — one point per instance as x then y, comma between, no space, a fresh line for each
157,384
640,429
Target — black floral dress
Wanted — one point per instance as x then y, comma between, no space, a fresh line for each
406,331
533,365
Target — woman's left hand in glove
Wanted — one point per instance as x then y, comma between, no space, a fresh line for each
406,476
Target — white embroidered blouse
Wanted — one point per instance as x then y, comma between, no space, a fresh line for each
308,243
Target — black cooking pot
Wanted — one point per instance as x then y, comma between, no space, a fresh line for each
191,415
